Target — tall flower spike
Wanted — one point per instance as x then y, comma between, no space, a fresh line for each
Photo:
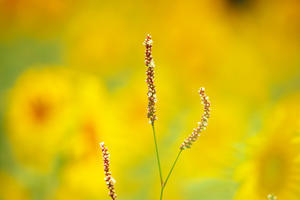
110,182
150,79
201,125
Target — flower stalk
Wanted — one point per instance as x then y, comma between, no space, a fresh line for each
150,79
187,143
110,181
151,96
151,115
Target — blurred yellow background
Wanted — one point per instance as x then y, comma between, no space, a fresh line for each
72,75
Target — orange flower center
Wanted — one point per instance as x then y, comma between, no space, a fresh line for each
40,110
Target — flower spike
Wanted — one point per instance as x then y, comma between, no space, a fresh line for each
110,181
201,125
150,79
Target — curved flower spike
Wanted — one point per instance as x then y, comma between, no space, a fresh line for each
110,181
201,125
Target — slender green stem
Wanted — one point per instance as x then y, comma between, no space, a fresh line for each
170,172
165,182
161,192
157,155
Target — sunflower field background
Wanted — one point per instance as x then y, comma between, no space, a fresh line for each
72,75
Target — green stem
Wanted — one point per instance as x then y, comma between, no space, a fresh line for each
161,192
157,155
170,172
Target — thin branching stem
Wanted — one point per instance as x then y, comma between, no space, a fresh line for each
169,174
157,155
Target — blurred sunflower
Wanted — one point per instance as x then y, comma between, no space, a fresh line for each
93,120
81,176
39,115
273,165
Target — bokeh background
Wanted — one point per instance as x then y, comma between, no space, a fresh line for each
72,75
